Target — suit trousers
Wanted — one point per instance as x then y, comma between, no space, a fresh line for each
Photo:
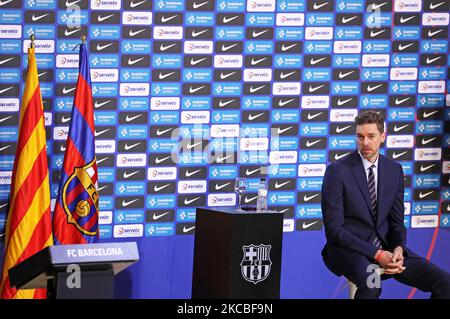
419,273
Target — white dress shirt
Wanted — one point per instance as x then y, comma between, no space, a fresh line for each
367,165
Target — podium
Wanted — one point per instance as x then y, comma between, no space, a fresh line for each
83,271
237,254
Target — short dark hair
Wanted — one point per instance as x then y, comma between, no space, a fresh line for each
371,117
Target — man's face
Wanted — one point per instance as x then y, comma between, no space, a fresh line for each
369,140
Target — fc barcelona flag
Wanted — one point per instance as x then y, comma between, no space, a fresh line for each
75,219
29,224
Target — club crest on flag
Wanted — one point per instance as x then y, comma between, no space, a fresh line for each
80,197
75,217
256,263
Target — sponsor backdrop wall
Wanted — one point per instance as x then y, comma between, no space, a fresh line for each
190,94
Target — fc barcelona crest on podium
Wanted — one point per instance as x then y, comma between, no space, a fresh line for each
256,263
80,198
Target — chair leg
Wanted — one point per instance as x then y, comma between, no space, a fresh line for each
352,289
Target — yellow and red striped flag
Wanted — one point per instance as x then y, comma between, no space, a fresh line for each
28,226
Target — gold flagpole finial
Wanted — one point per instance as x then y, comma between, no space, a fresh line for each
32,38
83,39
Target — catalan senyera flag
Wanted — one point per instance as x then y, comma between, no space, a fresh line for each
28,226
75,219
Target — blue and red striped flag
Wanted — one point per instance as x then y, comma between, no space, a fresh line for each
29,224
75,219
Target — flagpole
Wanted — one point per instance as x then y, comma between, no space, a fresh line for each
32,38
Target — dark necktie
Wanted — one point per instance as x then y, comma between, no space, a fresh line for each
372,191
373,201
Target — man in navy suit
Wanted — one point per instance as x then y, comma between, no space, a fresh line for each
363,213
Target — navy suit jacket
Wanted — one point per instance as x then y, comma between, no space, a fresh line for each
349,224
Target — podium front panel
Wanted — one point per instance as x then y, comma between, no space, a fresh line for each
93,285
237,255
95,266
